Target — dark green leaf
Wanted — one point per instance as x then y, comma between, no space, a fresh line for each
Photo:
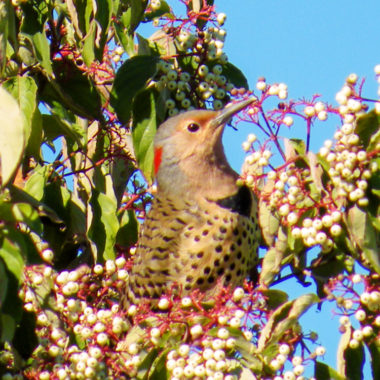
10,252
24,212
75,90
131,78
54,127
284,318
25,339
354,362
127,234
8,327
105,226
274,298
3,282
374,350
144,130
164,8
33,27
366,126
323,372
364,234
235,76
273,259
126,40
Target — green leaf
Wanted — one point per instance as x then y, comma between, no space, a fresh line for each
323,372
364,234
105,225
366,126
127,234
273,259
7,32
144,130
284,318
33,26
103,18
3,283
13,136
54,127
24,90
164,8
235,75
132,77
374,350
10,252
274,297
8,327
75,90
349,360
126,40
24,212
35,185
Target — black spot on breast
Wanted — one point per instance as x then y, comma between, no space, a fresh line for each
194,266
220,271
225,220
167,238
211,279
187,287
241,202
239,242
205,232
228,278
165,272
216,263
200,255
238,273
226,258
180,221
200,281
232,247
232,266
189,278
197,238
244,234
223,229
218,248
207,270
235,232
209,222
239,255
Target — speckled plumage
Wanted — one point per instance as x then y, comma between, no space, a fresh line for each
202,228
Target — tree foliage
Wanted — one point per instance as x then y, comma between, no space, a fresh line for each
78,79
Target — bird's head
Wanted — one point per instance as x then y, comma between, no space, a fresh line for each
188,147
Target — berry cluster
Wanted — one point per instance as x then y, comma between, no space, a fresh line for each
358,298
83,333
203,82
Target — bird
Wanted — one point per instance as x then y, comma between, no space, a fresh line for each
202,229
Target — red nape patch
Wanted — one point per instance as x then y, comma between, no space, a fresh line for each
157,159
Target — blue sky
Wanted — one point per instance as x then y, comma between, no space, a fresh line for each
312,46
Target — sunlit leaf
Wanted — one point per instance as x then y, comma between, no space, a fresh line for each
364,234
235,75
366,126
323,372
13,136
10,252
144,129
284,318
33,27
131,78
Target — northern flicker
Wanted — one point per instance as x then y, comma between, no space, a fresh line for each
202,228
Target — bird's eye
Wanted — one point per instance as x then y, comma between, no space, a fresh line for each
193,127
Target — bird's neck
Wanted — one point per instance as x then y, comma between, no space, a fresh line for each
212,179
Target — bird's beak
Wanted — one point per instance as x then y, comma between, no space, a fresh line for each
225,115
